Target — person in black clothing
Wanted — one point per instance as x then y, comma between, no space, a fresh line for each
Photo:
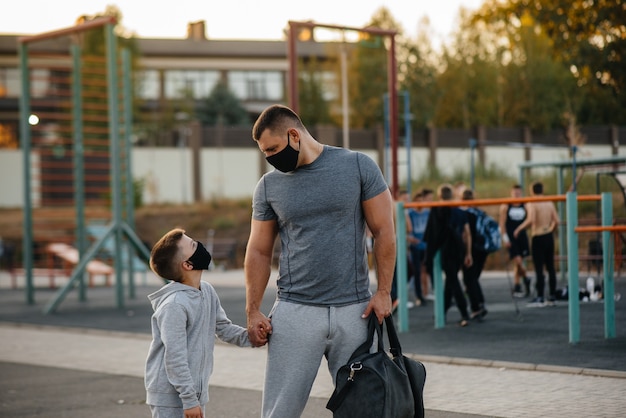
471,274
448,230
512,216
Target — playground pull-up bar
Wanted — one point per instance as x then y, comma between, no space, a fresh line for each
572,200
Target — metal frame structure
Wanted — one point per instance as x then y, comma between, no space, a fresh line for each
119,148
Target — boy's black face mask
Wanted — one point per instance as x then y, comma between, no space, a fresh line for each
286,160
201,258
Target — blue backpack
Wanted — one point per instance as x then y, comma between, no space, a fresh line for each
487,231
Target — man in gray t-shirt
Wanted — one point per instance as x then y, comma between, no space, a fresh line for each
319,200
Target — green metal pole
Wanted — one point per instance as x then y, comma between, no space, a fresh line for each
79,158
128,172
27,246
440,315
562,242
112,91
607,267
401,270
572,267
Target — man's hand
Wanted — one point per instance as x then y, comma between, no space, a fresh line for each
380,303
468,260
259,329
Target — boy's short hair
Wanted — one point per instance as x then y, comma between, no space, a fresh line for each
516,186
537,187
166,257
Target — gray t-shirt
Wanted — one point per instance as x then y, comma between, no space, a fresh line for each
321,225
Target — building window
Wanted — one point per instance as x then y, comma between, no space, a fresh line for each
148,84
256,85
9,82
195,84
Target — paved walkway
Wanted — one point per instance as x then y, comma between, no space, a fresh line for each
487,387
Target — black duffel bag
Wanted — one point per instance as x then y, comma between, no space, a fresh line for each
376,385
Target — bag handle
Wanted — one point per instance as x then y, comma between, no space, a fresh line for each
373,327
394,342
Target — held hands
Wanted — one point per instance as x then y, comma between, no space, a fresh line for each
195,412
468,261
259,329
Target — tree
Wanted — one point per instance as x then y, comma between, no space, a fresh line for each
314,109
222,103
588,36
418,73
368,73
468,85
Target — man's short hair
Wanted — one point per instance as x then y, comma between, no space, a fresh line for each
445,192
516,186
275,118
166,257
468,194
537,187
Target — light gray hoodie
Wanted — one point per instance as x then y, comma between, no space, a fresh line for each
180,361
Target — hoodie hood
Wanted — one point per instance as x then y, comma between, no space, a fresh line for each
169,289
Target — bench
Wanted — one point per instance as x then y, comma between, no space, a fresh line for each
223,249
69,257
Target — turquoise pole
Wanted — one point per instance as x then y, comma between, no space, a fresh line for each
401,270
560,189
128,172
440,317
572,267
607,267
28,205
79,158
114,130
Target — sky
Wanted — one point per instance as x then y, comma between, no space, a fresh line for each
231,19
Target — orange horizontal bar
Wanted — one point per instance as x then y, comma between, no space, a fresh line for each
600,228
499,201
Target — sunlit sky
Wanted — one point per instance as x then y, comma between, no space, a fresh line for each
230,19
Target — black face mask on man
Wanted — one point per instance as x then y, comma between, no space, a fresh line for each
201,258
285,160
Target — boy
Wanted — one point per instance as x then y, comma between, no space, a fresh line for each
187,318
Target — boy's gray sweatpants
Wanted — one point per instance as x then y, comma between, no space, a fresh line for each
301,335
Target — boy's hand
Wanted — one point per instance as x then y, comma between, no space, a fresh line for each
195,412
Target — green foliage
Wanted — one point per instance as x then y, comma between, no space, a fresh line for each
588,37
314,110
222,104
368,73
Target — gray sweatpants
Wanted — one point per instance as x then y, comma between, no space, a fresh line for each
301,335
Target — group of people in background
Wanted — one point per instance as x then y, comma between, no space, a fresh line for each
453,231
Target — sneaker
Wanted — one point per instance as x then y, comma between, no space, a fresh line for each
517,291
551,301
537,302
429,296
410,305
